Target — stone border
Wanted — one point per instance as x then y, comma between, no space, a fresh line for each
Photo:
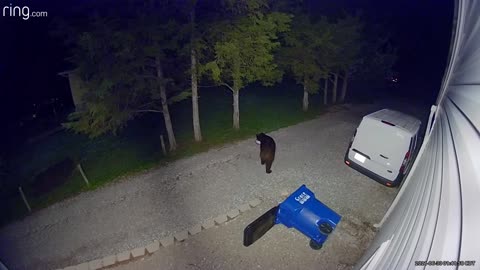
130,255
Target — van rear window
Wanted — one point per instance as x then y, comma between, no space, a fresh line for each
375,139
388,123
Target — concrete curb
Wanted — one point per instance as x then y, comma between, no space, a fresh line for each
153,247
244,208
181,236
139,252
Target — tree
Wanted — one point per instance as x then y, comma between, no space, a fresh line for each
100,68
347,38
235,8
377,58
243,53
123,67
194,74
306,45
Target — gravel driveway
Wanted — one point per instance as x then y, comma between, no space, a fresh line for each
221,247
133,212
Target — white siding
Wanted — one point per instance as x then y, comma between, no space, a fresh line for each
436,215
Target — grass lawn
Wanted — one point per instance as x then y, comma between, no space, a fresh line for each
138,147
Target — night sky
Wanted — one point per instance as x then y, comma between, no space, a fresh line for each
31,57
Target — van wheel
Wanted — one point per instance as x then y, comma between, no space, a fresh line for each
314,245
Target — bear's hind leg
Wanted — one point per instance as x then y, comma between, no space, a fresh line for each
269,166
262,159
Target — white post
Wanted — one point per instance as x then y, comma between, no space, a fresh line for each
163,145
24,199
83,174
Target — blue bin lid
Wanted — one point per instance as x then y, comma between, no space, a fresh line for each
305,198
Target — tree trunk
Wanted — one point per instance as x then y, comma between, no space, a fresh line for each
168,121
165,111
236,109
325,92
196,118
334,89
305,99
344,87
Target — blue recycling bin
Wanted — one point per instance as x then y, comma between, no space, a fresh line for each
302,211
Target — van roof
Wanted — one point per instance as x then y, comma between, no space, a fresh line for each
406,122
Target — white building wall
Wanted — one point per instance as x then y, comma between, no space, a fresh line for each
436,215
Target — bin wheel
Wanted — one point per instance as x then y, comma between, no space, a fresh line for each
325,228
314,245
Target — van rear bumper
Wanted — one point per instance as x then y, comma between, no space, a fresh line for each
382,180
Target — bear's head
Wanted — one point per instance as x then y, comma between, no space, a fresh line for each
260,138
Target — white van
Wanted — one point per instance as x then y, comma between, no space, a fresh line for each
383,146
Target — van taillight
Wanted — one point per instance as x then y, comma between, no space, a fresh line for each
404,163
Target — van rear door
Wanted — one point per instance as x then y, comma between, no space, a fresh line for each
382,145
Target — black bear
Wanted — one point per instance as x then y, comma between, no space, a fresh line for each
267,150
